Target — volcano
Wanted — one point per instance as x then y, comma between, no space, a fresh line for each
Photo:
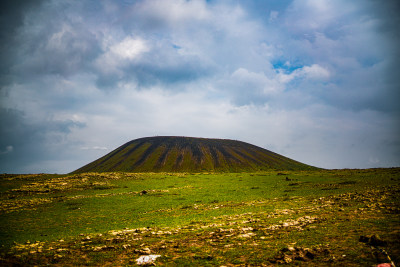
190,154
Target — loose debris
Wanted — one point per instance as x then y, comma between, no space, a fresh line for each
248,229
293,254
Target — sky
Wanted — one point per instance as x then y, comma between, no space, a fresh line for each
314,80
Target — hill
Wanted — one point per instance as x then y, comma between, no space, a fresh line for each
189,154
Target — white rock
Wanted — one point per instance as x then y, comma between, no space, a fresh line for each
147,259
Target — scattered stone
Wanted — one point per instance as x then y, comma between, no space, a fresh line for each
287,259
101,248
97,248
246,235
291,254
144,192
144,251
147,260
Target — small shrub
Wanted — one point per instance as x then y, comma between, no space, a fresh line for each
348,182
102,187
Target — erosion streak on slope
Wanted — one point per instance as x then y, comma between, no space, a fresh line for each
188,154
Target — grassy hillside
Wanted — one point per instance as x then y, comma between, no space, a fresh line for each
319,217
188,154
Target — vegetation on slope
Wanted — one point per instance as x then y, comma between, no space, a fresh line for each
188,154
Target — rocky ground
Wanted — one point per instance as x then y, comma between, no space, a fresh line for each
350,229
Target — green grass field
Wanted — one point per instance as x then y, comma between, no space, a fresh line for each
224,219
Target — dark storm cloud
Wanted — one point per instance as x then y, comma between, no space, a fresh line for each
389,26
22,142
54,41
70,38
11,19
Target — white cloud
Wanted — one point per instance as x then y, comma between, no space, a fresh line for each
130,48
314,71
254,82
310,16
122,53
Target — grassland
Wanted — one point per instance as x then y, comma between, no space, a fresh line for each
316,217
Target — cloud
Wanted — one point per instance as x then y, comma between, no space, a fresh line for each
94,148
64,48
302,78
129,48
8,149
121,54
254,81
26,141
153,13
309,16
313,72
193,113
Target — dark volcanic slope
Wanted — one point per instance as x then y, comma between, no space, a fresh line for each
188,154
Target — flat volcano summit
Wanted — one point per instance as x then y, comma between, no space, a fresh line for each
190,154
